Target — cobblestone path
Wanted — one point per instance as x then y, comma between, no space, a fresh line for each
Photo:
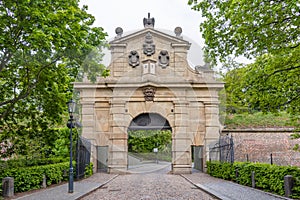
158,185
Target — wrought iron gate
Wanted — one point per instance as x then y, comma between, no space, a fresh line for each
83,156
223,150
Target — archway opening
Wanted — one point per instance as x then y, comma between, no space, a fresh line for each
149,143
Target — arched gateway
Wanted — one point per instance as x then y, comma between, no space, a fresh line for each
150,84
149,121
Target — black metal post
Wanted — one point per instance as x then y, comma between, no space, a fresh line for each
77,157
231,150
271,159
71,181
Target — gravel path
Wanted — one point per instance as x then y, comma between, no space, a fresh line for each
157,185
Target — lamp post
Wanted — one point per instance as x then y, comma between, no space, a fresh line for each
70,125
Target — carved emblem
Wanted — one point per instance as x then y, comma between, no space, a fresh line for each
134,58
149,93
163,58
149,23
149,47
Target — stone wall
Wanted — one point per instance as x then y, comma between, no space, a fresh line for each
258,145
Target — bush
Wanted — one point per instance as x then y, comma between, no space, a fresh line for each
144,141
24,162
88,170
268,177
28,178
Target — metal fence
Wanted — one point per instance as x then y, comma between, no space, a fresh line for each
83,156
223,150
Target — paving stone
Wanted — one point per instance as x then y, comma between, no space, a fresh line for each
155,185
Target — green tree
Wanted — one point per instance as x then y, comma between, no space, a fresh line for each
268,31
265,30
43,45
249,28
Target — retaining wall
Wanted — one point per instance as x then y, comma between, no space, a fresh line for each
257,145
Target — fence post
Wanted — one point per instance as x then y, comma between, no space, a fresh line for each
288,185
247,156
253,179
8,187
237,175
44,184
231,150
271,159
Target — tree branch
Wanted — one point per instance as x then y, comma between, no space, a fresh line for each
282,70
25,92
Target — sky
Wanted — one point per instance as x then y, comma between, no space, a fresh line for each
168,14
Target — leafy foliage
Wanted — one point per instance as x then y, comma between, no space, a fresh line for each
268,31
248,28
88,170
28,178
267,177
264,86
26,162
43,46
53,142
143,141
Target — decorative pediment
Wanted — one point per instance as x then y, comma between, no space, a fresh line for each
123,39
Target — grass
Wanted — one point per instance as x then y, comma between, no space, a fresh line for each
259,120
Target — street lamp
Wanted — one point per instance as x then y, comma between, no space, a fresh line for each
71,125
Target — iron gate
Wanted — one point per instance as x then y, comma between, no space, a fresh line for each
83,156
223,150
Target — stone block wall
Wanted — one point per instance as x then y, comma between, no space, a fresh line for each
258,145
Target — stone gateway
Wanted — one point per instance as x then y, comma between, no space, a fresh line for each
150,76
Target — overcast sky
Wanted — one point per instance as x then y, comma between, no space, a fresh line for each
168,15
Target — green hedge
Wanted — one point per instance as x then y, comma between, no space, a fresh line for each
29,162
28,178
268,177
144,141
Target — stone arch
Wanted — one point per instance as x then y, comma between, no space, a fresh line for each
149,121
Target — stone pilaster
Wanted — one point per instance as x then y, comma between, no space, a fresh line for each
181,142
117,152
212,126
